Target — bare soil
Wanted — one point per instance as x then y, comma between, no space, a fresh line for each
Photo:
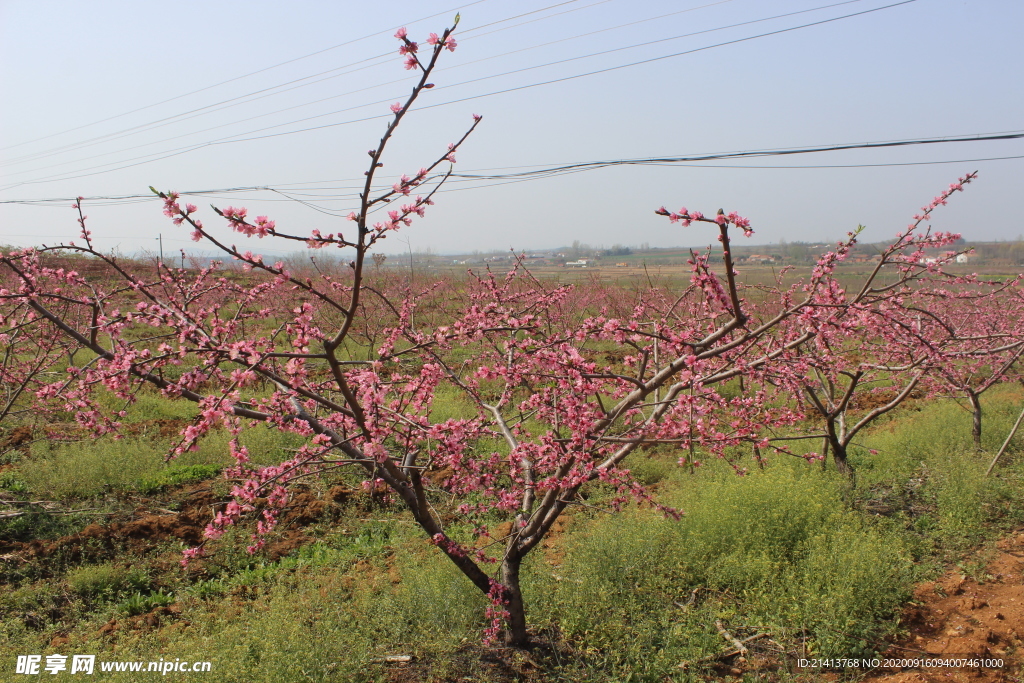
960,617
137,532
149,526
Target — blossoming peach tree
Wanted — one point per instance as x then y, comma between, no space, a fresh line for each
876,344
989,348
557,391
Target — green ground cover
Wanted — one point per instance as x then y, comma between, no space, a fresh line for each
789,550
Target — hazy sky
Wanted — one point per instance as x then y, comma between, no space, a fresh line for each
104,98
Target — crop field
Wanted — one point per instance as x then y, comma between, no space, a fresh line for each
335,470
787,555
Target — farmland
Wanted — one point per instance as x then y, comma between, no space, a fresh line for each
334,470
788,550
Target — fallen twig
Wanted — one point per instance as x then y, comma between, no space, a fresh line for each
9,515
42,503
688,603
556,577
394,659
740,648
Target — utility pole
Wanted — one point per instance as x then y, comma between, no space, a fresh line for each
161,238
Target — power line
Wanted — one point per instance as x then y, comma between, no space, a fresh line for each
563,79
269,91
550,171
552,165
256,95
209,109
660,40
238,78
543,9
757,153
583,35
234,138
820,166
211,128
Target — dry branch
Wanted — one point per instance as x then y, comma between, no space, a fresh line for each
739,649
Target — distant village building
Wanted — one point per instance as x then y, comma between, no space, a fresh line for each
582,263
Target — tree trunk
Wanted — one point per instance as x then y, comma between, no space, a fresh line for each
842,464
515,631
976,425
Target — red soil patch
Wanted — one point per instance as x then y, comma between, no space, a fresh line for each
18,438
303,509
165,428
552,543
21,438
957,617
136,535
145,530
165,618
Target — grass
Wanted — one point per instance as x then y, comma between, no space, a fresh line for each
776,551
107,580
96,466
788,550
928,455
176,475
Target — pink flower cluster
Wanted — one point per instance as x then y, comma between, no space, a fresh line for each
408,48
449,43
685,217
261,227
496,611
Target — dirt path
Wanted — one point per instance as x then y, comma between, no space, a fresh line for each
959,617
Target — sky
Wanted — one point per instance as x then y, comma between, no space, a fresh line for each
104,99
